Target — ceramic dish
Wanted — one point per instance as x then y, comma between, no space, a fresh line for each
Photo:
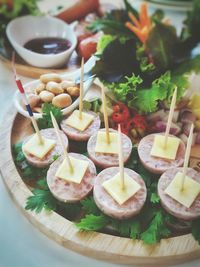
29,87
23,29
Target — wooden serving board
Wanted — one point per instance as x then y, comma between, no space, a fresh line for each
92,244
33,72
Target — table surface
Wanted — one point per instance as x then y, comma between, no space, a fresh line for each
21,244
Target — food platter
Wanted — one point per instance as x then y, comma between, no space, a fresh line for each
92,244
106,203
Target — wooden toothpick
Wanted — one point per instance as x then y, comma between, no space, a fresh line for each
81,89
105,115
170,117
187,155
26,103
65,153
121,157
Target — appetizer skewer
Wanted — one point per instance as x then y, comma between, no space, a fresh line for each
80,125
102,146
179,189
39,148
159,152
119,192
70,178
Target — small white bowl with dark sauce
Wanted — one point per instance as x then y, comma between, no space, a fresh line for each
44,41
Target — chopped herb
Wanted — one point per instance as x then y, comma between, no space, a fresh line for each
93,222
45,121
41,199
196,230
89,206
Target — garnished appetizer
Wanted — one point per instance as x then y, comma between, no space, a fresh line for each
179,189
80,125
40,148
40,151
159,152
119,192
70,178
102,146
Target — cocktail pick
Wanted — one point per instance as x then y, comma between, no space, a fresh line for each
25,100
81,89
170,117
121,157
65,153
105,114
187,155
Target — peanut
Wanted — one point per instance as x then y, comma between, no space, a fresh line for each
54,88
40,87
73,90
67,83
46,96
50,77
62,101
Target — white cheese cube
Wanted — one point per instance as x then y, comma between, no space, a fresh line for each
102,146
79,169
82,124
168,152
113,187
187,196
35,148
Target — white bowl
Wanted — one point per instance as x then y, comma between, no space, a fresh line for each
23,29
29,87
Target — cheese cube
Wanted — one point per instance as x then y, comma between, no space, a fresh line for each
79,169
103,147
168,152
36,149
187,196
113,187
80,124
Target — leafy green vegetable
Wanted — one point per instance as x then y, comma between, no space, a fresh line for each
196,230
93,222
145,66
127,89
45,121
27,171
112,23
20,7
89,206
117,60
127,228
42,199
146,100
156,230
161,45
190,33
130,8
103,42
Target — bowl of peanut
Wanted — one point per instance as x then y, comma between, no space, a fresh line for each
61,91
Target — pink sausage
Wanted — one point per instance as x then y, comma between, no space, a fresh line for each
155,164
108,205
69,191
48,159
172,206
104,160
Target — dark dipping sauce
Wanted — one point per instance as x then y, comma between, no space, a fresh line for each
49,45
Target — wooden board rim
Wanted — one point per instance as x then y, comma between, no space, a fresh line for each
92,244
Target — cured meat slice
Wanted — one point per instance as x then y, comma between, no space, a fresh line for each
49,158
108,205
81,136
172,206
105,160
69,191
155,164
